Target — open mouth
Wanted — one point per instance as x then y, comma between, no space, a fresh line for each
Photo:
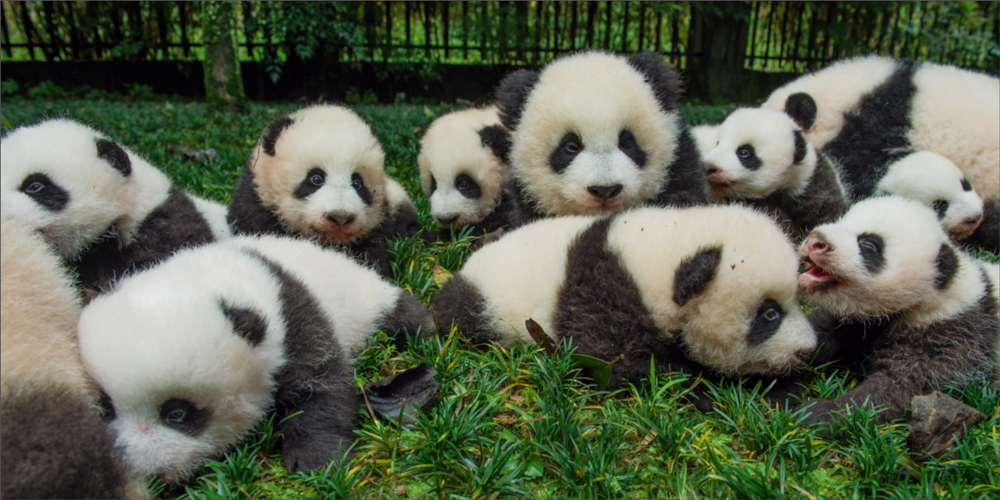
815,278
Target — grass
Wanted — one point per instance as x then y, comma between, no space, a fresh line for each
519,422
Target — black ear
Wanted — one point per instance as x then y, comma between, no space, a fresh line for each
802,108
695,273
497,139
662,77
112,153
947,266
272,131
800,147
247,323
511,95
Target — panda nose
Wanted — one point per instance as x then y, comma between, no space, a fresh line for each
973,221
341,219
605,192
710,168
447,222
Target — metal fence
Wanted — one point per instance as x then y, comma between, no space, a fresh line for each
782,36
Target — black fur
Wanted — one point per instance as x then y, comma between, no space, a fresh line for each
940,207
511,95
408,316
317,380
694,274
875,135
247,215
183,416
53,445
359,187
313,180
903,360
947,265
45,192
405,221
498,140
820,202
661,76
112,153
748,157
563,155
800,148
627,144
173,225
522,211
460,304
802,108
468,187
987,235
272,132
871,247
762,327
688,183
247,323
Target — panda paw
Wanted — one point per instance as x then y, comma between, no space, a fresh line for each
311,456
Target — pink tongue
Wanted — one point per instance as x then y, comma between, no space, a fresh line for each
818,274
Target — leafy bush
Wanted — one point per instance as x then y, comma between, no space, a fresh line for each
46,90
9,87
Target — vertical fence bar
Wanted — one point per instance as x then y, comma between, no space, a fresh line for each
607,26
444,21
625,26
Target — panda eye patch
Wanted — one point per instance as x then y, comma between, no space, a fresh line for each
182,415
940,206
45,192
871,245
766,322
748,157
313,181
965,185
358,184
569,146
434,184
468,187
628,145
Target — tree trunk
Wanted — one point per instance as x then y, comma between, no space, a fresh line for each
720,36
223,81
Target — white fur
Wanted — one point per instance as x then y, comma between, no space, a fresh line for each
521,274
339,142
353,296
162,334
396,196
929,177
215,214
772,136
905,284
706,136
595,95
837,89
758,263
100,197
451,147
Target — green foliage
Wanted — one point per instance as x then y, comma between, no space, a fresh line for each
518,422
46,90
9,87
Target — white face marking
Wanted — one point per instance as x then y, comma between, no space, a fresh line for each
161,335
338,143
754,156
596,96
936,182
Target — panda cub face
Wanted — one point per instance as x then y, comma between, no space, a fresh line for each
591,137
758,152
885,255
68,182
458,170
936,182
321,170
186,371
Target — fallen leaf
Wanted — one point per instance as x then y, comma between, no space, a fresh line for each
539,336
441,275
202,155
397,397
937,423
596,369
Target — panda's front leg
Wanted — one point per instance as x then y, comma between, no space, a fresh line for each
321,431
879,391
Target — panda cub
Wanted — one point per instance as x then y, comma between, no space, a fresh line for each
192,353
318,173
52,441
103,208
402,212
762,156
869,111
706,137
896,295
936,182
464,171
594,133
702,290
